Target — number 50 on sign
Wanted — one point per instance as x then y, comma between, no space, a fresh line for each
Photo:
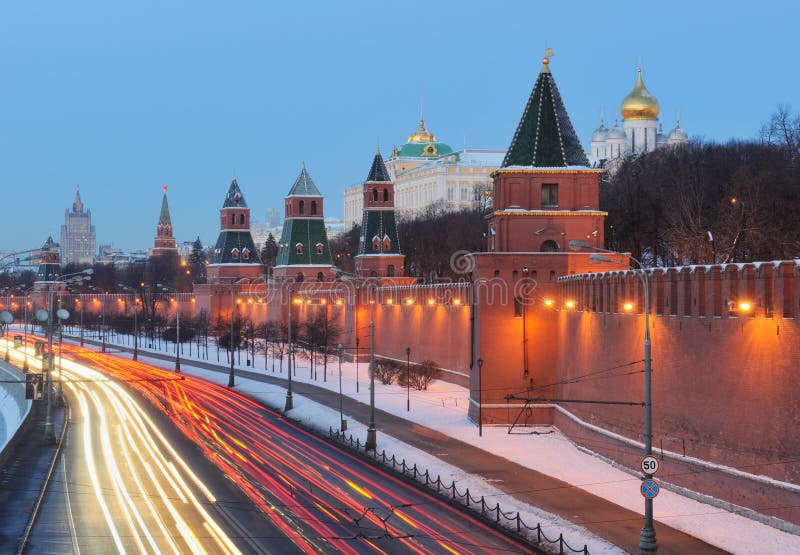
649,464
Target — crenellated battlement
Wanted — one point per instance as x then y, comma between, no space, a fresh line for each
754,290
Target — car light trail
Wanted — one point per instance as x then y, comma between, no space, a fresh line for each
322,499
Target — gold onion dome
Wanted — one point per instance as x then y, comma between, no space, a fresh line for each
639,104
422,135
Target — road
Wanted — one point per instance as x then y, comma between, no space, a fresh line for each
126,484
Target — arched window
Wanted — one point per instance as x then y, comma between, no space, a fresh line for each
373,273
549,246
246,253
299,247
241,219
300,277
387,243
375,194
233,219
302,207
376,243
386,195
390,270
320,248
552,275
235,252
313,208
320,276
497,273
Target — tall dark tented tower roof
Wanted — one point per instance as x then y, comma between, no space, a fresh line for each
164,217
234,198
304,186
545,137
378,171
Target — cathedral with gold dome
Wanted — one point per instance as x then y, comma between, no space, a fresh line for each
641,130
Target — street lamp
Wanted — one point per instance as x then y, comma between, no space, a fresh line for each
289,399
647,539
480,397
5,319
230,339
408,379
342,422
372,440
357,342
177,336
103,322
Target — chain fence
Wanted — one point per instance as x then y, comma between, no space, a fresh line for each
510,521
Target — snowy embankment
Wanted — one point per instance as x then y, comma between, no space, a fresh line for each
444,407
13,405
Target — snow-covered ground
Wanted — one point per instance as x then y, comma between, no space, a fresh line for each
444,407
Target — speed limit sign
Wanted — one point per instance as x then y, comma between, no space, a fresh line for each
649,465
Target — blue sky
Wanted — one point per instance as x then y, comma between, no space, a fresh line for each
124,97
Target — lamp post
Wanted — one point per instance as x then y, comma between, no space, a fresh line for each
135,326
342,423
647,538
230,342
25,333
480,397
357,342
289,400
103,323
82,303
372,440
408,379
177,336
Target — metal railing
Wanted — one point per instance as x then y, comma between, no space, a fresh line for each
510,521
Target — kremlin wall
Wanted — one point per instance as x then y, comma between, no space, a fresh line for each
534,320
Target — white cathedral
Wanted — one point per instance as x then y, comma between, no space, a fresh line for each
641,131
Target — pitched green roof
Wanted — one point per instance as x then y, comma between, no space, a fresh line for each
545,137
421,150
304,186
378,171
308,233
164,218
234,198
380,225
235,247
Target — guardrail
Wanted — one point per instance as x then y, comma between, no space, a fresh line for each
510,521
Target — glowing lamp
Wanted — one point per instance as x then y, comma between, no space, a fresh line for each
456,302
409,301
431,302
570,304
745,306
339,301
308,301
389,301
324,301
627,307
296,301
548,302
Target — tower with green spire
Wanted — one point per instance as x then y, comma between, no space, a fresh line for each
235,254
304,253
545,193
164,243
378,247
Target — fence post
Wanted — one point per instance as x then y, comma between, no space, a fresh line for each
498,512
454,490
561,544
519,524
538,532
468,497
415,471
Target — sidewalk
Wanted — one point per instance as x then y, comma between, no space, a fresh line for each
606,520
23,476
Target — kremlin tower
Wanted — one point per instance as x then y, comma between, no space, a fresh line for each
235,253
303,253
378,247
164,243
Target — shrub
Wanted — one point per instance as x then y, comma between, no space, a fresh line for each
386,370
420,375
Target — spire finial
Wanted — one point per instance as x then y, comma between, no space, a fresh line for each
421,119
602,116
304,165
548,53
677,117
639,63
164,188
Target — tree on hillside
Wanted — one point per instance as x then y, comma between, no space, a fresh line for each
197,262
344,248
269,254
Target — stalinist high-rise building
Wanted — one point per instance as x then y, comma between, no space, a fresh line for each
77,234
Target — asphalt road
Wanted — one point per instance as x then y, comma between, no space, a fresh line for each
127,483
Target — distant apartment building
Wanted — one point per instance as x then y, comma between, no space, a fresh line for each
428,173
77,234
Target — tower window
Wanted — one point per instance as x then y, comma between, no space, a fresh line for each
376,243
549,246
386,195
235,252
320,248
549,195
302,207
375,195
313,208
299,247
246,253
241,219
320,276
390,270
233,219
387,243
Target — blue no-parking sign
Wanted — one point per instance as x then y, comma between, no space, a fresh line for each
650,489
